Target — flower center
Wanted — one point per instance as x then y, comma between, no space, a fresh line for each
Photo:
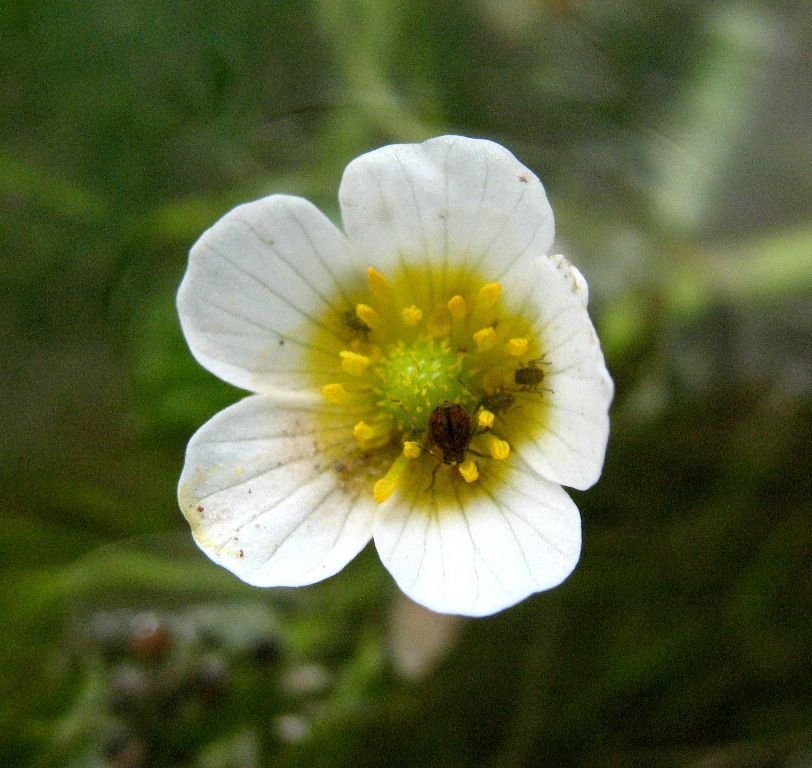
438,381
418,377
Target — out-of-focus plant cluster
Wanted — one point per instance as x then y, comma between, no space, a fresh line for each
674,142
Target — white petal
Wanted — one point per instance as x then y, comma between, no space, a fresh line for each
504,538
449,201
565,441
263,497
256,289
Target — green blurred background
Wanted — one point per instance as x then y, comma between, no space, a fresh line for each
674,141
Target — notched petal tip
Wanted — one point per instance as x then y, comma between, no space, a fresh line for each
573,276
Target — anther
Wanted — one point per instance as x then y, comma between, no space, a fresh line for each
335,393
517,347
373,435
411,449
411,315
457,307
386,485
363,432
499,449
488,295
485,338
378,283
353,363
368,315
469,471
485,419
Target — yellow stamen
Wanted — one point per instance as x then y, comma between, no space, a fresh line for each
362,431
457,307
335,393
517,347
373,435
485,338
368,315
411,449
411,315
485,419
379,284
439,324
353,363
499,449
338,394
468,469
488,295
386,485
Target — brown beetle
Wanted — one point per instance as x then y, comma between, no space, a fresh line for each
355,323
450,430
530,376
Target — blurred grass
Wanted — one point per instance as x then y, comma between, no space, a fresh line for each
674,142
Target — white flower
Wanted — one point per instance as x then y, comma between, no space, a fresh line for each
429,379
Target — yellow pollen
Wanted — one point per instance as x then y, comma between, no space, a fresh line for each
457,307
379,284
411,315
485,338
362,431
353,363
411,450
384,487
468,470
517,347
499,449
368,315
335,393
338,394
488,295
485,419
373,435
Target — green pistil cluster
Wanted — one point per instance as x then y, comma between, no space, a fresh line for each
416,378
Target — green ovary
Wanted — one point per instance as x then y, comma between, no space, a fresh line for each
418,377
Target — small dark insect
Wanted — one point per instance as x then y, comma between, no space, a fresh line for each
451,431
529,377
496,402
355,323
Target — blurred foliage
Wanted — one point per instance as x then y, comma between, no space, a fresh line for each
674,141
